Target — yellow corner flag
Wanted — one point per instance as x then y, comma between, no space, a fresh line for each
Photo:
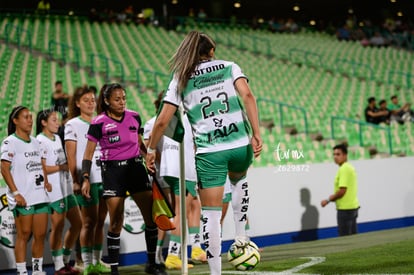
161,209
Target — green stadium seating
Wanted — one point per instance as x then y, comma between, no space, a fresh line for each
317,84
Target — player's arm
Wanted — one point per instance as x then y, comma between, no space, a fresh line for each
71,158
86,167
8,178
47,185
146,141
50,169
249,101
163,119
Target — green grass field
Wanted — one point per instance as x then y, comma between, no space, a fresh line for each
380,252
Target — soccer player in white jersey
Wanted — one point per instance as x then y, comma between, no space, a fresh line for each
63,203
170,171
159,258
81,111
23,169
226,140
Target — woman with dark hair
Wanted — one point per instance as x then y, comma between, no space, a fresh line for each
23,169
81,110
118,132
225,139
63,203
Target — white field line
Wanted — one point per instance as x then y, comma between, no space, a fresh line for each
294,270
313,261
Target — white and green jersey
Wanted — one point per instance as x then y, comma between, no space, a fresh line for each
147,132
76,129
170,156
25,159
213,107
61,181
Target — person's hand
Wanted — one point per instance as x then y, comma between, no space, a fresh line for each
20,201
77,188
63,167
324,203
48,187
150,161
86,188
257,145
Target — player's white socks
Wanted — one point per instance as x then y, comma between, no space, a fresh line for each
174,247
240,205
57,258
210,223
21,268
37,264
66,255
96,255
159,259
194,236
86,256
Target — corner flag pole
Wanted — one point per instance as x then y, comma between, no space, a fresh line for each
183,215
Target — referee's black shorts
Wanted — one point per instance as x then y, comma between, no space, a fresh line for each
122,176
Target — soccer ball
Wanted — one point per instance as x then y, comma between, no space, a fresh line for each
243,256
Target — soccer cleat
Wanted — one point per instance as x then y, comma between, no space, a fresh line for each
90,270
174,262
198,255
155,269
79,266
72,271
62,271
105,264
101,268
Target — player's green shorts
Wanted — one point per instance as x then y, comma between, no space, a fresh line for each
71,201
31,210
95,193
212,168
59,206
174,184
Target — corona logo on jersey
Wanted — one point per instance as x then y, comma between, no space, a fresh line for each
7,225
133,220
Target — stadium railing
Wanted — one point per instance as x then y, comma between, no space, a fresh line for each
61,51
407,78
11,30
156,79
361,125
106,60
355,69
305,57
281,106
